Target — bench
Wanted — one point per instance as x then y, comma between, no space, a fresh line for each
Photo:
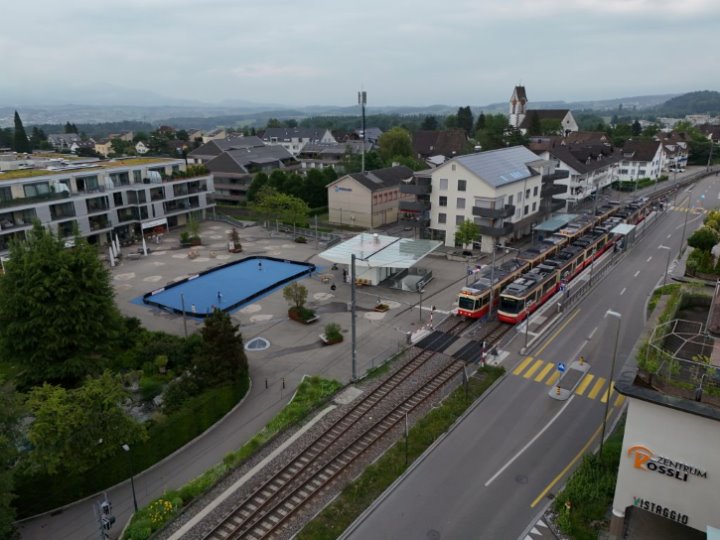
312,319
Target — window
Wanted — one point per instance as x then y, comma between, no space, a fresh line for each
443,184
442,218
534,206
527,193
462,185
519,197
510,200
535,191
117,198
137,177
5,194
452,166
37,190
459,220
460,203
527,209
443,201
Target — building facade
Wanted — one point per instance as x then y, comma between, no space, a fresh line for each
641,159
102,199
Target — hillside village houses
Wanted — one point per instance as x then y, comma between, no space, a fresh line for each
294,139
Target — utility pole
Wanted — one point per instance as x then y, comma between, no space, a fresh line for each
352,316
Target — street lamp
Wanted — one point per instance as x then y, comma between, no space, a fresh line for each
132,481
618,316
420,290
687,212
667,266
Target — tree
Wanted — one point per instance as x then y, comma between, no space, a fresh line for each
21,143
466,233
465,119
480,124
9,438
260,180
395,142
182,135
352,162
74,430
314,190
636,128
551,126
57,316
704,238
70,128
429,123
274,123
295,294
492,136
535,127
221,358
451,121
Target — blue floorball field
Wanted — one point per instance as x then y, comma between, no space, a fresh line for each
227,287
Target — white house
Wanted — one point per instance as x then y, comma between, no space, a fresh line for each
141,149
294,139
521,117
499,190
641,159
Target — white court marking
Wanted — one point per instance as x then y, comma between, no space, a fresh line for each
649,258
125,277
636,274
374,315
200,259
260,318
252,308
152,279
158,253
323,296
623,291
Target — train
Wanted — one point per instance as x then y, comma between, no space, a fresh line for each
538,271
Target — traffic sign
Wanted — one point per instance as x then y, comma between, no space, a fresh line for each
560,367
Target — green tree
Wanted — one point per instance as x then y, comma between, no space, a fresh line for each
9,438
395,142
221,358
636,128
314,190
182,135
480,124
352,162
551,126
704,238
21,143
295,294
259,181
451,121
535,127
57,316
429,123
466,233
465,119
492,136
73,430
274,123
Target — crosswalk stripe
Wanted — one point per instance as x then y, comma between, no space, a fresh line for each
544,372
607,393
518,370
554,377
595,389
619,400
584,384
529,373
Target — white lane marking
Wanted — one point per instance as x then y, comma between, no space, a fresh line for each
669,235
649,258
623,291
592,333
636,273
530,442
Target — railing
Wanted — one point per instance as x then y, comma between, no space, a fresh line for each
557,175
417,206
415,189
495,213
503,230
33,200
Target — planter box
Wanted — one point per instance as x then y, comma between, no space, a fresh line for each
295,316
382,308
327,341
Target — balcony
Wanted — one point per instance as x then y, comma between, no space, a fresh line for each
503,230
548,190
24,201
99,223
557,175
415,220
413,206
494,213
415,189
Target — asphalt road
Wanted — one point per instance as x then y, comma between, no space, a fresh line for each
490,477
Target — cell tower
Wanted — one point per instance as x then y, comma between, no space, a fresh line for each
362,100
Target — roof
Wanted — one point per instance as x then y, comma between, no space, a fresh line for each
586,137
447,143
500,167
640,150
287,134
238,160
378,250
556,223
585,158
216,147
543,114
75,166
334,149
520,94
382,178
371,133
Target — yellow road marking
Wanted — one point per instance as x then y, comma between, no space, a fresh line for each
556,334
608,393
544,372
619,400
533,369
554,377
584,384
598,385
518,370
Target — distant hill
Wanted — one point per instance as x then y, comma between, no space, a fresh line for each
703,102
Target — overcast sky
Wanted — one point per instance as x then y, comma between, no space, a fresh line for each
403,52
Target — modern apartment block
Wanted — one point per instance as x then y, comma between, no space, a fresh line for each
102,198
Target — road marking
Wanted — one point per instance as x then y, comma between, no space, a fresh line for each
523,365
530,442
669,235
557,333
584,384
608,393
529,373
544,372
592,333
554,377
649,258
598,385
636,273
623,291
619,400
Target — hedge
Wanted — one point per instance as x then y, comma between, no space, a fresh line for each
40,493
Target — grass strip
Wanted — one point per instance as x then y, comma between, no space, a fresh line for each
312,392
359,494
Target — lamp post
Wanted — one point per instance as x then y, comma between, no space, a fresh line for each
594,251
132,480
667,266
353,332
687,212
420,290
618,316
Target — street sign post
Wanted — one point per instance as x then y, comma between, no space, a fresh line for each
561,367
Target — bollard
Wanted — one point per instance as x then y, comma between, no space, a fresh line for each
266,384
582,360
283,383
557,390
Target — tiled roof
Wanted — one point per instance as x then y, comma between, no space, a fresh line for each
543,114
383,178
499,167
286,134
520,93
586,158
238,160
448,143
218,146
640,150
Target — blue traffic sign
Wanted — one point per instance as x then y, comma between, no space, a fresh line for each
560,367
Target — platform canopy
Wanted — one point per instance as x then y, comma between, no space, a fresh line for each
380,251
622,229
556,223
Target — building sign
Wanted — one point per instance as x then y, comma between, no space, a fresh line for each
338,188
644,459
660,510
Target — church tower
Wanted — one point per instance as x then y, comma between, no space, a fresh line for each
518,102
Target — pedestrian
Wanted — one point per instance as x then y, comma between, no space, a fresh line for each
344,275
219,297
193,309
260,265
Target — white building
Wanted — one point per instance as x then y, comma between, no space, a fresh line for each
295,139
499,190
521,117
641,159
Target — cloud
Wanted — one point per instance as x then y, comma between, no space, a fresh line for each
268,71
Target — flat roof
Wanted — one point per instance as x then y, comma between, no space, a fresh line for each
378,250
76,167
622,228
556,223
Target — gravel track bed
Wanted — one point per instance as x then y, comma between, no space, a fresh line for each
294,524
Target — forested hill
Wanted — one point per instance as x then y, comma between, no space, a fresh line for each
703,102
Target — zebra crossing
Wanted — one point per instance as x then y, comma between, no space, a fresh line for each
591,386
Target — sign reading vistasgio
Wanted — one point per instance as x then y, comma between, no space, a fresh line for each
645,460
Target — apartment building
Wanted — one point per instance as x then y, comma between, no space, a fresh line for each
103,199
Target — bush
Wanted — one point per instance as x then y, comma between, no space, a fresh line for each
301,314
301,240
333,333
149,388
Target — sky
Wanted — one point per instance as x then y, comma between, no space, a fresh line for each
321,52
